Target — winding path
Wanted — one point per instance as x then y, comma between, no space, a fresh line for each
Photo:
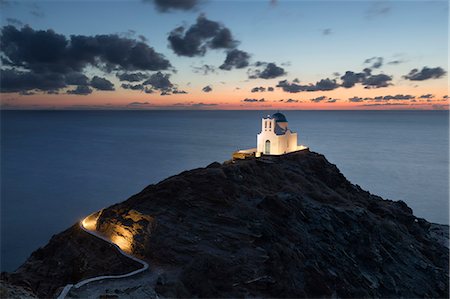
68,287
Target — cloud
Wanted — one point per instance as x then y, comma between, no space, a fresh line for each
204,69
386,104
322,85
207,88
201,105
138,104
258,89
132,86
249,100
426,96
80,90
192,105
168,5
386,98
376,62
102,84
270,88
395,62
318,99
65,59
377,81
202,35
327,31
270,71
291,101
349,79
159,81
425,74
132,77
178,91
355,99
12,80
53,52
76,78
397,97
235,59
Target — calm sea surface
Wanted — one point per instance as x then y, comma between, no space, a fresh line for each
58,166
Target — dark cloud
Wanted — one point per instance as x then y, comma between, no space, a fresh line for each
349,79
159,81
270,89
327,31
318,99
322,85
26,93
138,104
291,101
75,78
269,72
202,35
425,73
132,86
426,96
204,69
102,83
387,98
80,90
376,62
202,105
47,54
386,104
223,40
132,77
178,91
168,5
398,97
395,62
248,100
377,81
207,88
258,89
235,59
42,51
12,80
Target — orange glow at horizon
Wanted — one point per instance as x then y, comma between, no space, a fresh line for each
222,98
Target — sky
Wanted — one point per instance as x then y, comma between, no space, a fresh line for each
209,54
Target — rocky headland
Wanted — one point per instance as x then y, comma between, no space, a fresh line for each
285,226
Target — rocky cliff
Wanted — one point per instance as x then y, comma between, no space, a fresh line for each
288,226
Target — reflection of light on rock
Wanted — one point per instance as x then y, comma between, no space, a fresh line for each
122,238
118,234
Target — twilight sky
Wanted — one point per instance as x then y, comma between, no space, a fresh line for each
208,54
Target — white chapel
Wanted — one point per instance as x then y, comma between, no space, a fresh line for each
275,138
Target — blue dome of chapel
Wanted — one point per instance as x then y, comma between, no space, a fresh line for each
279,117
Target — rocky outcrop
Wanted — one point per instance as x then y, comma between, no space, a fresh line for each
288,226
69,257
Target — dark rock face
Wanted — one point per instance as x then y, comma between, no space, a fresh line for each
288,226
69,257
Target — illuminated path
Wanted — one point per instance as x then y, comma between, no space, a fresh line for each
68,287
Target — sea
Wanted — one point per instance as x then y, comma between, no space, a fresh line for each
59,166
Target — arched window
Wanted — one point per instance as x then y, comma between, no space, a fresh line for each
270,125
267,148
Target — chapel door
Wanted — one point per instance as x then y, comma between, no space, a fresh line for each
267,148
